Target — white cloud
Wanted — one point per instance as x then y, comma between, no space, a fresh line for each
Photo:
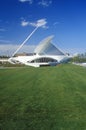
24,23
30,1
8,49
45,27
55,23
39,23
45,3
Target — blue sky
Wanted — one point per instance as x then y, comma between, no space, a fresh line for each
66,20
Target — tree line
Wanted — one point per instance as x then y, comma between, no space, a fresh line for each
79,58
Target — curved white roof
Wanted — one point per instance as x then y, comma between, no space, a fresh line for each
46,47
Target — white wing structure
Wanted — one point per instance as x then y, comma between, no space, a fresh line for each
46,47
45,54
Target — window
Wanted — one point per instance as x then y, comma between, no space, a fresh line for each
43,59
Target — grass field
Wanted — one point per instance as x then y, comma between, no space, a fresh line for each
46,98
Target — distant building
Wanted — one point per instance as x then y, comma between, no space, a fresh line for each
24,54
20,54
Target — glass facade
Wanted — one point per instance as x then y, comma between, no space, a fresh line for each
43,60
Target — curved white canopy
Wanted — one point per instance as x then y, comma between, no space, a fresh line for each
46,47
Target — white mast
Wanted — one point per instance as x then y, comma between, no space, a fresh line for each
40,23
25,41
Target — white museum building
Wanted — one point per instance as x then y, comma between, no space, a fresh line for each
45,54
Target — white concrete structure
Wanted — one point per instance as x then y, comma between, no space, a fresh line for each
80,64
44,54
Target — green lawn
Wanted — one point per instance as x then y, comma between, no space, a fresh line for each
46,98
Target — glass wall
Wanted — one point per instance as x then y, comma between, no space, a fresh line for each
43,60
